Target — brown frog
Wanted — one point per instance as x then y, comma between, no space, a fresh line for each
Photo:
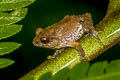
65,33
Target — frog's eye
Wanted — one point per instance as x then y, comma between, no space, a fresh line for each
44,39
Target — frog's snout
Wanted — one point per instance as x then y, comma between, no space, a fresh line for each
35,43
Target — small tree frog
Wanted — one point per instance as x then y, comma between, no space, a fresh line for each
66,33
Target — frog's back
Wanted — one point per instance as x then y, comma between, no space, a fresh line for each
69,28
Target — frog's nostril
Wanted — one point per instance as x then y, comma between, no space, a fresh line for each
36,42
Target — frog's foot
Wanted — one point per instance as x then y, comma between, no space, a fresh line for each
82,57
95,35
92,32
49,57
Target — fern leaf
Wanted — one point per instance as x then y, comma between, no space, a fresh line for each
12,11
13,16
29,78
61,75
96,69
44,76
85,71
9,30
6,5
78,71
7,47
5,62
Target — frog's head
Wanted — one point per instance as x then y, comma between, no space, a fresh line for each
43,40
40,40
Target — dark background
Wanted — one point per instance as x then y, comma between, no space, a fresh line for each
41,14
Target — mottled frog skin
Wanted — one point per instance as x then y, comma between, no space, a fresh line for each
66,33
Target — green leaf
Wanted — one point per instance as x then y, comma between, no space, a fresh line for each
61,75
9,30
12,17
6,5
97,71
46,76
114,66
7,47
13,12
30,77
5,62
78,72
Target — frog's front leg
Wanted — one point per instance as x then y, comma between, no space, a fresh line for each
76,45
55,54
94,33
80,50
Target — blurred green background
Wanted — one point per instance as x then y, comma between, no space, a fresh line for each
41,14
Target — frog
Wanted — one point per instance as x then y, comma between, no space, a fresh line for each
66,33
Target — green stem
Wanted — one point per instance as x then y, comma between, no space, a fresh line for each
110,26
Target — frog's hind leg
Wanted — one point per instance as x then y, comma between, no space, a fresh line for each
76,45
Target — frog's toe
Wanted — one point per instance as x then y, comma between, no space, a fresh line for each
50,57
82,56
